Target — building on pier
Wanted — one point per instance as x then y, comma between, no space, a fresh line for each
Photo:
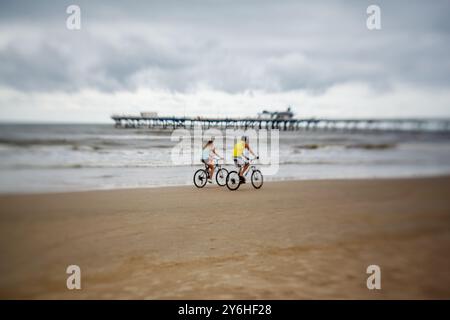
276,115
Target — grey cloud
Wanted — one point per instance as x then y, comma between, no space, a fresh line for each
44,72
227,45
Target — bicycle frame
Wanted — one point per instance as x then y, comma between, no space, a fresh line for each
251,168
217,166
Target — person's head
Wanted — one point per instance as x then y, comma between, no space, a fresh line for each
210,141
245,139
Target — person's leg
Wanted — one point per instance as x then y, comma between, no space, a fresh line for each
241,167
245,168
242,173
211,170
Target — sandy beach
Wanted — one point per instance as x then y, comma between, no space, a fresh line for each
289,240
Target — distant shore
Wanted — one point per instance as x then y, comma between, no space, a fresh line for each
291,240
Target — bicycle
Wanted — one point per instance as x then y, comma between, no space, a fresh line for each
201,176
234,180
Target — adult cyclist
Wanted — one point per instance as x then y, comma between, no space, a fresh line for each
240,156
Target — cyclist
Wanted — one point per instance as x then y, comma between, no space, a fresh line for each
208,152
240,158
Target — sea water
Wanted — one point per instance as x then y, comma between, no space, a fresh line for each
69,157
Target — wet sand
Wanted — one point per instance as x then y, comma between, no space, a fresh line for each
289,240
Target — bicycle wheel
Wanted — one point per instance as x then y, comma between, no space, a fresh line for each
200,178
221,176
233,181
257,179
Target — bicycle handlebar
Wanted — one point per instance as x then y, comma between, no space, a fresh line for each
216,160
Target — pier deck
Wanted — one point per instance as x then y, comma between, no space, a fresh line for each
282,124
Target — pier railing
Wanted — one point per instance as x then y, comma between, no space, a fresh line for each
282,124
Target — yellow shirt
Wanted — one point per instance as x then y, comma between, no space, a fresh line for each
239,149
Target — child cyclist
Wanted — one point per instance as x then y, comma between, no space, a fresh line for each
208,154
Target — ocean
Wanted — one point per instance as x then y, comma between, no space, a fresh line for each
69,157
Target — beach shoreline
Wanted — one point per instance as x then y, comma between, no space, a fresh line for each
289,240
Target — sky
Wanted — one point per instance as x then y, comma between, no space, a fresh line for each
223,58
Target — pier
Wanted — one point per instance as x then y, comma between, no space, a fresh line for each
435,125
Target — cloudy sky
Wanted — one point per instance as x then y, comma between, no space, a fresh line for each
223,58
